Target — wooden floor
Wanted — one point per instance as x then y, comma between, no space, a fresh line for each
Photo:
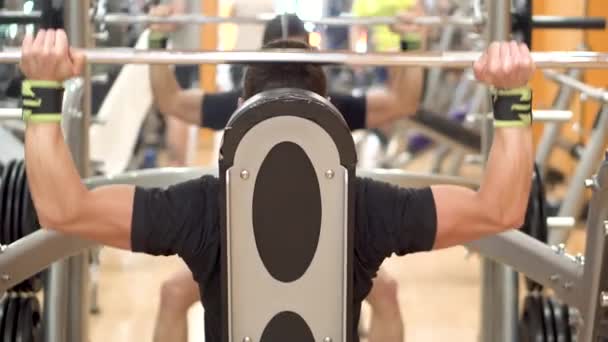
439,293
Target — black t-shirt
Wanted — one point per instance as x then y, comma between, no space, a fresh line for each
184,220
218,107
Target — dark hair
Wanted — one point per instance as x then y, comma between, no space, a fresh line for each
294,27
265,76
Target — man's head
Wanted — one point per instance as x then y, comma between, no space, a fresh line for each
266,76
289,24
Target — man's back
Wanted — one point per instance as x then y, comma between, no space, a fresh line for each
407,225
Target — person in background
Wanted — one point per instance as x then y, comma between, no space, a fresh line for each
383,38
179,134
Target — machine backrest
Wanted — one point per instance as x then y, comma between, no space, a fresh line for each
287,165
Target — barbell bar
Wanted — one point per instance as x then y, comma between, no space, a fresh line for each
574,59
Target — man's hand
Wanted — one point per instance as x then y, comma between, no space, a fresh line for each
48,57
505,65
163,11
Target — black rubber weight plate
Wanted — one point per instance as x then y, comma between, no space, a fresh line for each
17,204
566,312
18,201
532,322
548,318
29,219
15,201
36,320
560,324
3,303
24,205
4,202
25,326
10,323
10,184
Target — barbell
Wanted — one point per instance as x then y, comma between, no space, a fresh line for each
574,59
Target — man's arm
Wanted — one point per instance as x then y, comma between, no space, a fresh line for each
400,99
405,85
61,200
170,98
464,215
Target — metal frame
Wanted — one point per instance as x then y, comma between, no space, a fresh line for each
575,195
552,131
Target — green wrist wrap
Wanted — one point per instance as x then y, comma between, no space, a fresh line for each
512,107
411,42
42,101
157,40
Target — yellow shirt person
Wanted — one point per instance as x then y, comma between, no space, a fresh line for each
382,37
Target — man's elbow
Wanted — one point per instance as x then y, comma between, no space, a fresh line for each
55,220
57,217
512,217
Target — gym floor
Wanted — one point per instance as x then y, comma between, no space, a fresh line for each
439,292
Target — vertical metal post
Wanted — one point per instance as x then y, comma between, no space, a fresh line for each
55,302
499,291
78,27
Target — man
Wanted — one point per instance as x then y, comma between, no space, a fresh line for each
184,219
212,110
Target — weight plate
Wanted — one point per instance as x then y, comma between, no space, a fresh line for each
549,323
8,214
560,324
4,203
31,219
24,205
3,303
2,175
36,320
536,218
25,326
569,332
532,329
12,315
18,201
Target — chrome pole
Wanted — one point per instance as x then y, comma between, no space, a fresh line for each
499,291
78,28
